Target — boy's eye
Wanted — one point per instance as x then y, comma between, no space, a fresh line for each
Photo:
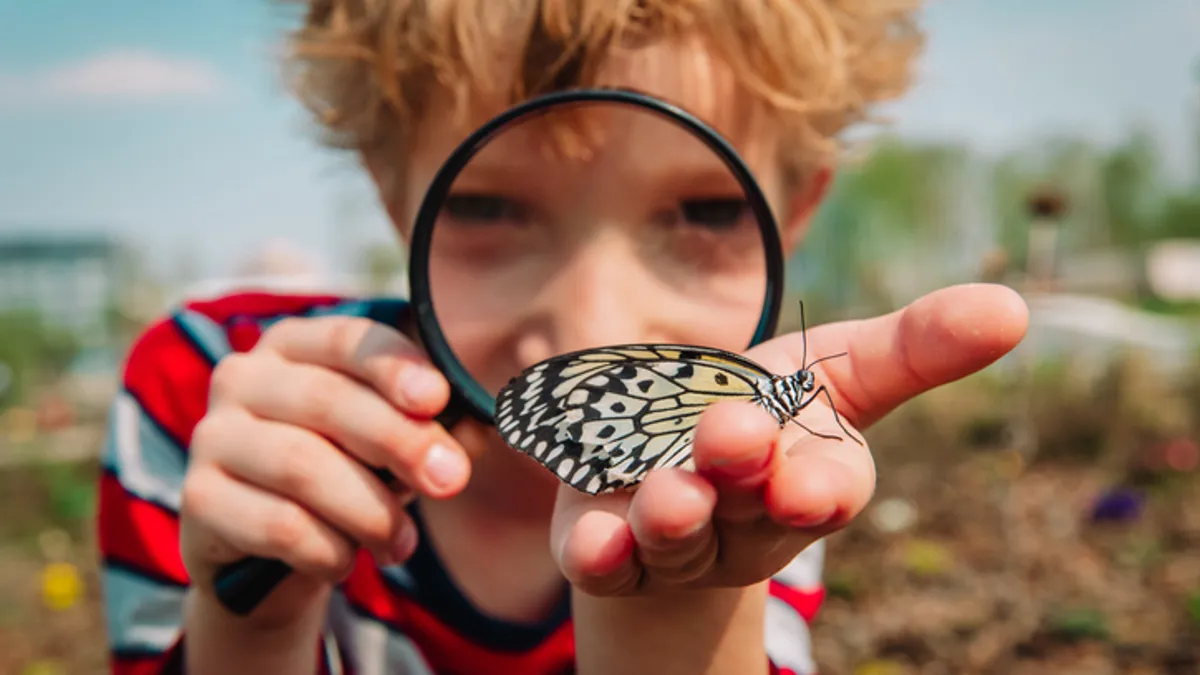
715,213
477,208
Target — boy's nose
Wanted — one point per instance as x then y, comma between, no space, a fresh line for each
603,296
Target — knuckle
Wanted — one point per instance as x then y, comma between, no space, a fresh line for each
345,337
229,373
205,436
318,402
379,527
337,562
299,470
195,493
286,528
407,442
280,330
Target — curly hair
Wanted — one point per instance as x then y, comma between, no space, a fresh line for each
368,68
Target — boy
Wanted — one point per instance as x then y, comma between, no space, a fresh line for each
245,422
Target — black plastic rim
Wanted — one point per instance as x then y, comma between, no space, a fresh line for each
481,403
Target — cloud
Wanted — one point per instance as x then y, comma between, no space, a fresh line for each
120,75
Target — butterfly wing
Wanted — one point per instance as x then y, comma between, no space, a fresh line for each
601,419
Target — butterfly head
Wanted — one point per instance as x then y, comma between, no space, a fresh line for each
808,380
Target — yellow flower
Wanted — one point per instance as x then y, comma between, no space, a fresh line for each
42,668
61,585
879,668
927,558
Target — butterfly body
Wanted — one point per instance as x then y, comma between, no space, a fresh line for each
602,419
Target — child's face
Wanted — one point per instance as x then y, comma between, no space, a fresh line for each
647,240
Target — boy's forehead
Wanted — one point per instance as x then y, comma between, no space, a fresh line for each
684,73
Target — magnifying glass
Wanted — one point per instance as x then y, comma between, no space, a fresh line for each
578,219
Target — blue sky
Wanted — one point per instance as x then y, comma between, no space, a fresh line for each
163,122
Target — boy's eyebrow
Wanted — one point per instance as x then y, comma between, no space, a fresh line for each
677,162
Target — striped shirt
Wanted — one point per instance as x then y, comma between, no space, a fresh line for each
408,619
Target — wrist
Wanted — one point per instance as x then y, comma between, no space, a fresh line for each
269,640
711,631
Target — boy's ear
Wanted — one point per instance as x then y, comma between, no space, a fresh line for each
802,204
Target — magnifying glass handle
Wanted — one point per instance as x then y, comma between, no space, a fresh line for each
242,585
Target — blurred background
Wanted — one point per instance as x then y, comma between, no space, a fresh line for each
1040,517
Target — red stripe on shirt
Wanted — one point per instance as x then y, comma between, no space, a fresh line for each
805,602
446,650
243,333
140,534
169,377
227,307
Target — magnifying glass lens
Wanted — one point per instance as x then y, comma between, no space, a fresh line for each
593,225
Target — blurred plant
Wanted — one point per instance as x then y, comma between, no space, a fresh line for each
71,496
383,263
880,667
43,667
1075,625
842,584
33,351
1193,608
927,558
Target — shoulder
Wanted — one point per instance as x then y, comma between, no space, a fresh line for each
207,329
168,367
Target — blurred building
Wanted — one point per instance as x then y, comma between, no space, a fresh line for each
276,266
71,280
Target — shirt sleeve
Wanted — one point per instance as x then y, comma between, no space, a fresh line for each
796,594
163,393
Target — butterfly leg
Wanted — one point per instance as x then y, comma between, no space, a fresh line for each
822,390
818,434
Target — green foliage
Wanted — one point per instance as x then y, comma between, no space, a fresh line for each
33,350
1193,608
70,492
1071,625
905,203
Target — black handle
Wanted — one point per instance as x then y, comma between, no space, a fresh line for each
242,585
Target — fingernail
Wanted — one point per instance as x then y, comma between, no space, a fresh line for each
405,543
419,383
444,467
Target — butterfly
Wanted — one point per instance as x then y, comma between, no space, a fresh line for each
601,419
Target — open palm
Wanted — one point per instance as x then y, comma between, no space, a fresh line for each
761,494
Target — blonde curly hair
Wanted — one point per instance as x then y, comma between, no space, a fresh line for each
368,68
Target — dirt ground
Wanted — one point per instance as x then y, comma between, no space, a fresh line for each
971,559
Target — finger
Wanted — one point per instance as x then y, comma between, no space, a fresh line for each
822,485
593,544
671,520
365,350
939,338
420,452
258,523
306,468
735,448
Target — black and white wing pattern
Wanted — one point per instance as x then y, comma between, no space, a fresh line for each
601,419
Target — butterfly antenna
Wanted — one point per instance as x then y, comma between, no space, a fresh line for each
803,339
826,358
